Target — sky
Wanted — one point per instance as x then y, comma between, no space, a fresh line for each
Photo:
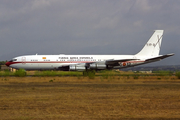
87,27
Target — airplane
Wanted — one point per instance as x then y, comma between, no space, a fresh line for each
149,53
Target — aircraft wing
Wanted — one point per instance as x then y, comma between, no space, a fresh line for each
111,62
159,58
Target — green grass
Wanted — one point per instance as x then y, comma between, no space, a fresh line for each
20,73
178,74
136,77
6,73
57,73
163,73
104,74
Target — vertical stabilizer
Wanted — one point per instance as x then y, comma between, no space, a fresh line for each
152,47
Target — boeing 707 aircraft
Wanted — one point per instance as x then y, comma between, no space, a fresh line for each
149,53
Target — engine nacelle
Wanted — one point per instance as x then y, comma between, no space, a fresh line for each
98,66
76,68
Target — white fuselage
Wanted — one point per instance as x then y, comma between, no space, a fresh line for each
50,62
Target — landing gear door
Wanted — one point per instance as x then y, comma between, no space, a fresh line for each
23,60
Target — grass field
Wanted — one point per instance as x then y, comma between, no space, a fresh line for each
74,98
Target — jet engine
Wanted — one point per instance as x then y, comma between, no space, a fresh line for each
98,66
77,68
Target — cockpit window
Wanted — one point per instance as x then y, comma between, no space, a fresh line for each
14,59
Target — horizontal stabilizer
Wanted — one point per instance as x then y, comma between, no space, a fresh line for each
160,57
109,62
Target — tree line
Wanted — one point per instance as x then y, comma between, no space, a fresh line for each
2,62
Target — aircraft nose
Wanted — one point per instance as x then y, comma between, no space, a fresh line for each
8,64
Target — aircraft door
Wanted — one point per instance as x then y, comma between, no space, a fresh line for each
23,60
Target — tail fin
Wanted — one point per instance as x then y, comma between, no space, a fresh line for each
152,47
